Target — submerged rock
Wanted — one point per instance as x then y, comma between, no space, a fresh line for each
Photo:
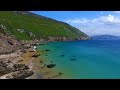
41,44
51,65
60,73
47,50
73,59
62,55
41,61
51,61
35,55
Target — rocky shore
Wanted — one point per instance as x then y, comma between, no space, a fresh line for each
19,60
26,64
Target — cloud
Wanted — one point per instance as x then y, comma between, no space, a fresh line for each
118,12
108,24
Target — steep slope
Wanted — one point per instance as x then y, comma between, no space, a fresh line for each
8,43
28,26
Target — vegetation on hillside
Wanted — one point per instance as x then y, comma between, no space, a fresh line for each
28,26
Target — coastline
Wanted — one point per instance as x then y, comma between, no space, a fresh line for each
39,67
28,56
31,59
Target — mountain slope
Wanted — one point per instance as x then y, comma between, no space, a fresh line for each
28,26
105,37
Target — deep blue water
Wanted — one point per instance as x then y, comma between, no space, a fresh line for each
91,58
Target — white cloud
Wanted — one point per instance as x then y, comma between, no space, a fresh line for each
109,24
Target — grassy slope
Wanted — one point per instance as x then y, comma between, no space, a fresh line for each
40,26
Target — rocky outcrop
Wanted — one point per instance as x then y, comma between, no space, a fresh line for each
19,74
14,71
8,44
51,39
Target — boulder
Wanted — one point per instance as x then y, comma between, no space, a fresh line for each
35,55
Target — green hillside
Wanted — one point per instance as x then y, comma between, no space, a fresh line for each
27,26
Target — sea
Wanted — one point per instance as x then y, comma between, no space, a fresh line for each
84,59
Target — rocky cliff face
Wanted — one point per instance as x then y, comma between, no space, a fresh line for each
65,38
8,44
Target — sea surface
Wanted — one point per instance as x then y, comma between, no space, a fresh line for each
85,59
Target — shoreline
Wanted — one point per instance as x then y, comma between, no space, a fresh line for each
29,56
31,59
39,67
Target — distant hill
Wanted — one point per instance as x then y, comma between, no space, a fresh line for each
105,37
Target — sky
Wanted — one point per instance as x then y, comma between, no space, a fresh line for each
90,22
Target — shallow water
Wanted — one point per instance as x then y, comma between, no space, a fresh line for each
91,59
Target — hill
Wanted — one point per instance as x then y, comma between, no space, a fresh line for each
105,37
25,25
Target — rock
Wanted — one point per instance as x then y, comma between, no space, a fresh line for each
51,61
51,65
20,74
41,61
36,56
19,61
47,50
73,59
42,51
23,51
11,43
62,55
60,73
20,67
41,44
11,70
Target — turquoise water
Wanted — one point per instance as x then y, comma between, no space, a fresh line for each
93,59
